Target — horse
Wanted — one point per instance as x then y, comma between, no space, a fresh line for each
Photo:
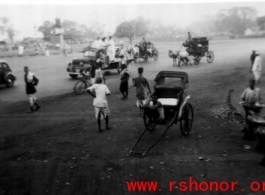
180,56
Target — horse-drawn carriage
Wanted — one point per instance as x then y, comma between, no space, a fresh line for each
145,51
197,48
171,91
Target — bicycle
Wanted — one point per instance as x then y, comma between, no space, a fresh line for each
82,84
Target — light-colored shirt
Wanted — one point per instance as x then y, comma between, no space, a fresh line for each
101,91
257,66
251,96
96,44
99,73
30,77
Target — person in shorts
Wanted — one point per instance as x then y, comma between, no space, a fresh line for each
31,81
99,91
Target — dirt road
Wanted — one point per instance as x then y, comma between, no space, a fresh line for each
57,150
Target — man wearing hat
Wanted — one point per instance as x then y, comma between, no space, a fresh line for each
257,68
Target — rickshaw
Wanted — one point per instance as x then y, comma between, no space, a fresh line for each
171,90
198,48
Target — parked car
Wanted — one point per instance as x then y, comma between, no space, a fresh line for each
6,76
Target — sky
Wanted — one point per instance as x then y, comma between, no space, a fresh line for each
26,16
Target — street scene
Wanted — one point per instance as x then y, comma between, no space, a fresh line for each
136,105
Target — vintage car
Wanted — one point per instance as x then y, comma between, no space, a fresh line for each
77,66
6,76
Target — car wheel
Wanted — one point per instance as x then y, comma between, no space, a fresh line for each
10,81
73,76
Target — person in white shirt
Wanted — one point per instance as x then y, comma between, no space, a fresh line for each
111,49
257,68
99,92
97,43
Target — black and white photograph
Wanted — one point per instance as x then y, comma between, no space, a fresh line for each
132,97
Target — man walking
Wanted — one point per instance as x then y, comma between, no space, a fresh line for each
99,92
142,85
252,58
257,68
31,81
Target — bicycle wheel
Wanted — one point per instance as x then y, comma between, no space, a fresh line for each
80,87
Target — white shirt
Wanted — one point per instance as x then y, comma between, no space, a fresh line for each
96,44
101,91
257,66
30,77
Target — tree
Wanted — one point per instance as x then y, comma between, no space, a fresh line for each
125,29
236,19
6,28
129,29
261,22
11,33
46,29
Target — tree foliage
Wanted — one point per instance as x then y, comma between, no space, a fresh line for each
236,19
6,28
129,29
71,29
46,29
261,22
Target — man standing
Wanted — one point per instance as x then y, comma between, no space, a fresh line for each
142,85
100,102
257,68
31,81
251,102
96,43
111,49
252,58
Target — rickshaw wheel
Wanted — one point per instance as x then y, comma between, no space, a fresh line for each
209,56
186,119
156,55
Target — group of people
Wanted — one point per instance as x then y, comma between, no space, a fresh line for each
99,91
144,45
107,44
251,96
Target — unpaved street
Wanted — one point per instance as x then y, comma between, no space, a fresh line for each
57,150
